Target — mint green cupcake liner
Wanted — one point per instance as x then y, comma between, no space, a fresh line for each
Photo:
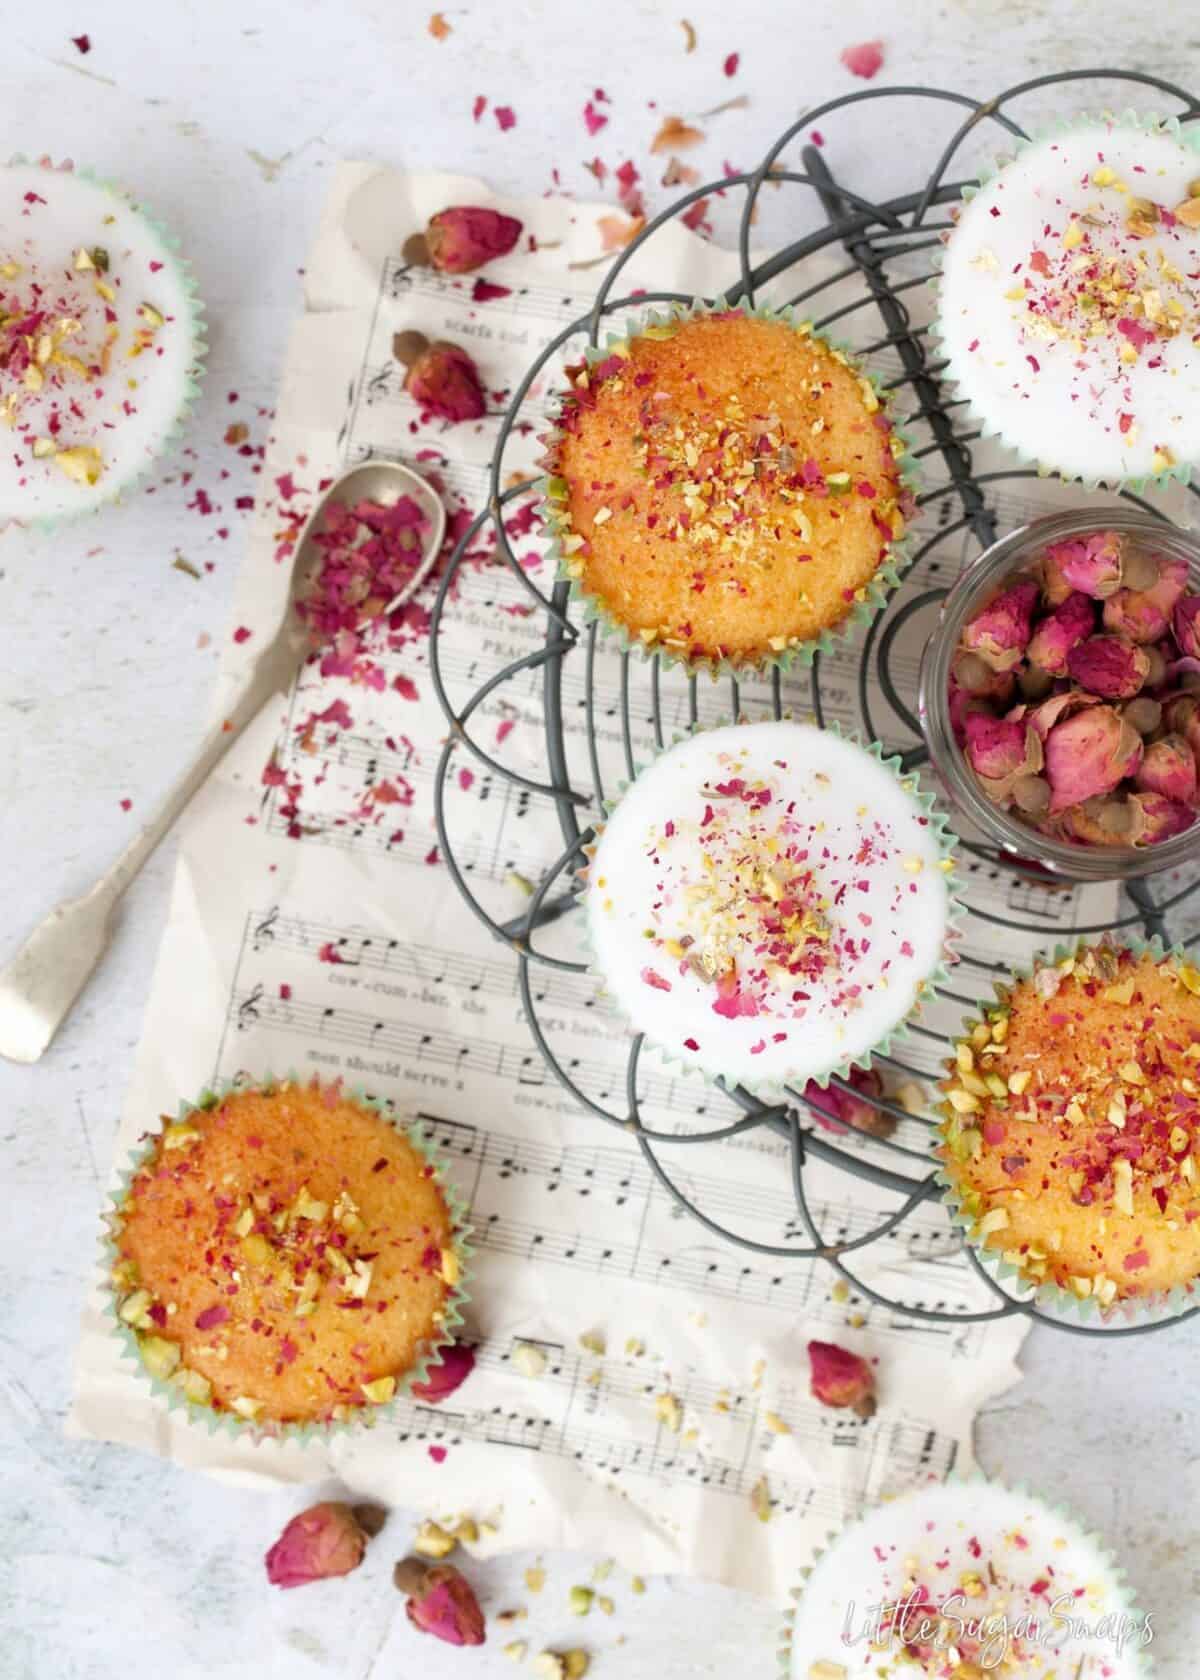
1140,1662
839,1068
556,519
170,1391
976,418
193,322
1015,1283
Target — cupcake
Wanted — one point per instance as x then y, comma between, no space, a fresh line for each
99,342
1069,310
966,1580
726,489
1072,1124
285,1256
768,902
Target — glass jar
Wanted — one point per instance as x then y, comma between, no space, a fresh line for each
978,583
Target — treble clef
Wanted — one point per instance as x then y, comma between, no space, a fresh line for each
264,933
247,1012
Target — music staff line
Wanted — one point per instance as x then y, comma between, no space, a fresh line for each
666,1454
638,1379
424,965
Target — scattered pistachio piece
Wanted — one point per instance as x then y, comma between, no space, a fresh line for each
579,1600
432,1540
668,1410
528,1360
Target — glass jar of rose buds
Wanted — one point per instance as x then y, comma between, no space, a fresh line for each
1060,694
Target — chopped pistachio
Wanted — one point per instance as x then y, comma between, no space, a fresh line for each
668,1410
575,1663
135,1309
515,1650
528,1360
535,1578
380,1391
593,1341
579,1600
760,1500
550,1665
432,1540
159,1356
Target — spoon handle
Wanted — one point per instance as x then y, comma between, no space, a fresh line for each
42,981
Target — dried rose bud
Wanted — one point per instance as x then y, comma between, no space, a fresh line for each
441,1601
1158,818
1059,706
1144,615
455,1364
463,238
962,706
445,380
1169,768
974,674
1031,795
1143,714
1060,631
1140,570
1185,621
325,1540
1181,716
1160,657
1090,564
841,1378
835,1108
1000,750
1089,754
1000,633
1098,822
1109,666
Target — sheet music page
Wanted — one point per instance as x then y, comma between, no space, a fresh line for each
315,927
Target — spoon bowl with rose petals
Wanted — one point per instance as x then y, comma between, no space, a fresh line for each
366,548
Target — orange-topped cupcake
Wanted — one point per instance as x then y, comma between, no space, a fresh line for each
726,487
1072,1131
285,1255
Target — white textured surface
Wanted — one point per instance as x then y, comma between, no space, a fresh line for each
1043,1569
829,804
115,1564
1014,339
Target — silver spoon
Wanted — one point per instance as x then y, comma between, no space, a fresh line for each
39,985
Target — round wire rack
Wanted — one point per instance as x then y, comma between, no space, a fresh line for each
863,270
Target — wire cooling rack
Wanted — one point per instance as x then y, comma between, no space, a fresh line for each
852,274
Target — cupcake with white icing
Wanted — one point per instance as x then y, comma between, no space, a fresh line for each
100,342
1069,302
966,1580
769,902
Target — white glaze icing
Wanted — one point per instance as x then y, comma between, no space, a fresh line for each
123,410
935,1537
855,852
1059,396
